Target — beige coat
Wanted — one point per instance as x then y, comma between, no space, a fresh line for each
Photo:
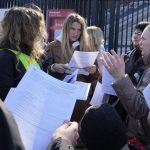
134,103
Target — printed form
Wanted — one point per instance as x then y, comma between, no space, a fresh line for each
40,104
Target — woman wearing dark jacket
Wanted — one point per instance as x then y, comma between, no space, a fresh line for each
20,46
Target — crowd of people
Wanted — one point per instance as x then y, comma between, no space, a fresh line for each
121,123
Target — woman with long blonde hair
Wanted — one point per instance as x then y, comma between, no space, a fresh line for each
59,52
72,23
20,46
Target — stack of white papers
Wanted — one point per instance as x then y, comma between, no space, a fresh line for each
40,104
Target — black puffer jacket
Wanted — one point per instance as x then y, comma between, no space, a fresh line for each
11,69
10,72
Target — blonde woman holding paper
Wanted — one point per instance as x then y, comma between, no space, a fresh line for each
59,52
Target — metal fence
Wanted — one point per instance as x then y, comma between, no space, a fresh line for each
116,17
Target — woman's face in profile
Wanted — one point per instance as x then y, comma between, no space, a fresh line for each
75,31
136,37
145,42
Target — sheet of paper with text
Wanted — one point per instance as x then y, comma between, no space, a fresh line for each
81,60
40,104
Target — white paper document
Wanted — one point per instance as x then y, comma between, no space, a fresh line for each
10,93
107,80
146,93
97,95
81,60
40,104
83,90
71,78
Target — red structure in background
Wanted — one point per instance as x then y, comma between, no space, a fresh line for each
54,21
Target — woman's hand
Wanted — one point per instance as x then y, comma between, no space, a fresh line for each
60,68
91,69
67,131
114,64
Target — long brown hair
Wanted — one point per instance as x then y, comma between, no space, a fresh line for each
24,26
65,45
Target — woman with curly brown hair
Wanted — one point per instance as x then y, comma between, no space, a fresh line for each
20,46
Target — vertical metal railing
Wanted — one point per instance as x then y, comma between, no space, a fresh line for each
127,29
117,26
111,25
117,18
